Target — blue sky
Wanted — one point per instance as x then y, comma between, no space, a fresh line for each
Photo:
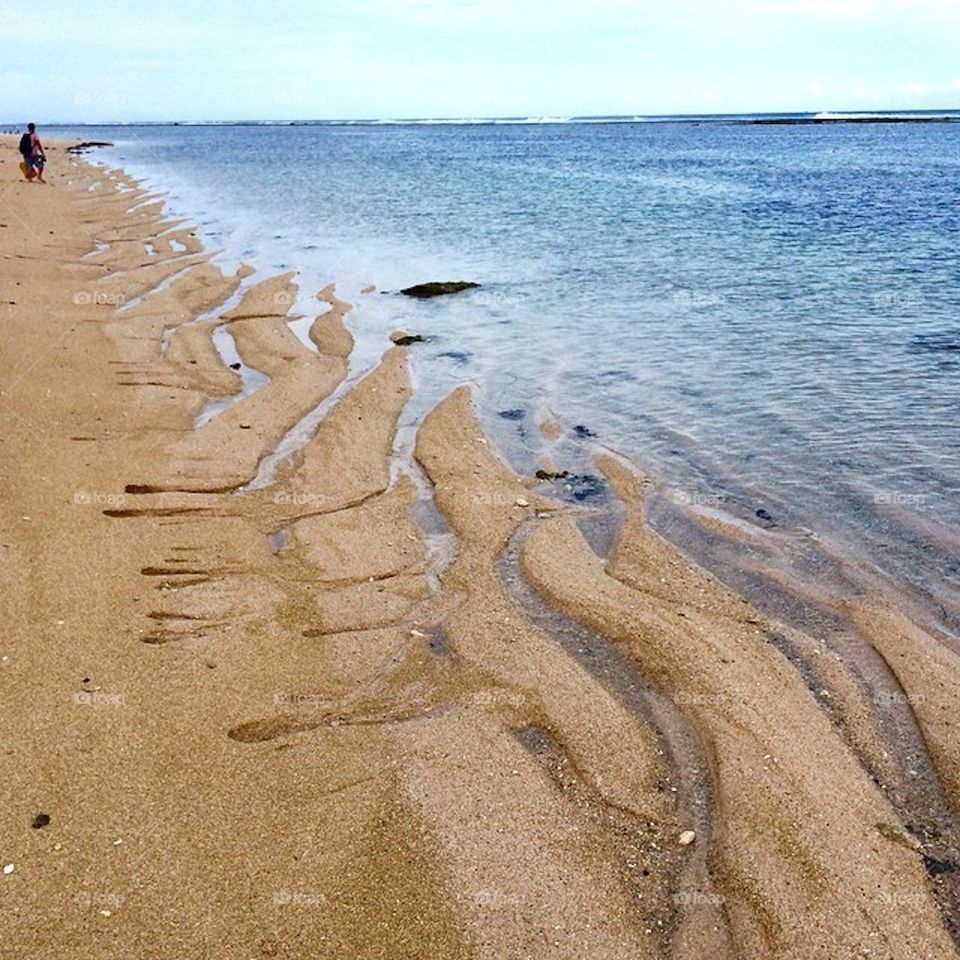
175,60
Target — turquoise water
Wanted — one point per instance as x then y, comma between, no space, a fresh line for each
767,316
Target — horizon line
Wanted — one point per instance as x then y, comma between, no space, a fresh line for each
529,118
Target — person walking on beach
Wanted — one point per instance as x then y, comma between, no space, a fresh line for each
33,156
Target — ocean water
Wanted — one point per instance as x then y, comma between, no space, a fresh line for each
767,316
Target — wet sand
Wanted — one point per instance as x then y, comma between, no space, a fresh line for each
376,706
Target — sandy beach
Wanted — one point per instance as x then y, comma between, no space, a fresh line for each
365,707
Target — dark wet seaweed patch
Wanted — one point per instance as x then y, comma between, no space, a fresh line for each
457,356
618,376
581,431
577,487
516,414
586,487
940,341
936,867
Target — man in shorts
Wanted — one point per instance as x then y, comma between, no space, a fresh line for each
31,149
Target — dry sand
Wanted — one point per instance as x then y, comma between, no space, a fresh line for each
284,721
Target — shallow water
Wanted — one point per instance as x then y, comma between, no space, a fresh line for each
768,316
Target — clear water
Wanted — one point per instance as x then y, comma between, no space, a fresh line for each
768,316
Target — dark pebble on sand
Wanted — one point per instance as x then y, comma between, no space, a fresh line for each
581,431
512,414
40,821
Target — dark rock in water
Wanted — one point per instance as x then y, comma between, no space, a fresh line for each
764,516
88,145
581,431
422,291
406,339
584,486
935,867
457,356
938,342
235,366
577,486
512,414
40,821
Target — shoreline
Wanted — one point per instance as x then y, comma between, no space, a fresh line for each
856,518
336,731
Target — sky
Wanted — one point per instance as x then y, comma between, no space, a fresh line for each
258,60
